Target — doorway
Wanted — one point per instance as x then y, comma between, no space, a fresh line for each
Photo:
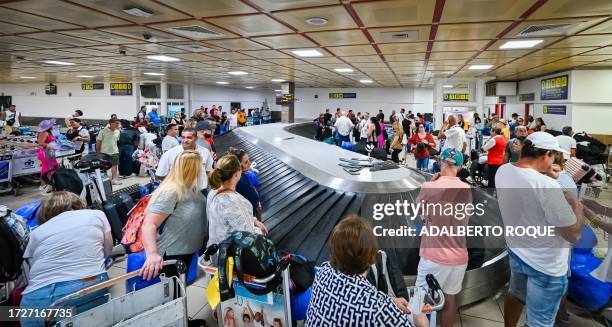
235,105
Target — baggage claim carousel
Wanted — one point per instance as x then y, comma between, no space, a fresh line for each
304,194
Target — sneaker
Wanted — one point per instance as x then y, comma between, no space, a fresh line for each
116,182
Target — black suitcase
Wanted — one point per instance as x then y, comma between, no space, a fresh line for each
114,219
379,153
123,204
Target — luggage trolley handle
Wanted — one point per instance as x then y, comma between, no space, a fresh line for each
108,283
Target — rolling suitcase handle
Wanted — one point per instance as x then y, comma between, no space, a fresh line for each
108,283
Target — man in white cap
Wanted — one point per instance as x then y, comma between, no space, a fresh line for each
529,199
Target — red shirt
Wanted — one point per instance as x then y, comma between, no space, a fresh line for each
415,139
496,153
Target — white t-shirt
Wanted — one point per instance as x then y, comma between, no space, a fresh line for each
344,126
167,159
566,143
455,138
70,246
364,128
169,142
13,115
233,120
529,198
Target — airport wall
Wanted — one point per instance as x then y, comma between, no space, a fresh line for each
309,102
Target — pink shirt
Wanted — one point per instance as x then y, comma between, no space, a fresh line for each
444,250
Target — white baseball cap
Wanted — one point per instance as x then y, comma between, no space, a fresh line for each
545,141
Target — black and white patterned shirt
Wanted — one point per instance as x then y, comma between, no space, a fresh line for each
343,300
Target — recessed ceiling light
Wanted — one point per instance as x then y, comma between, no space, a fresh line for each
343,70
278,90
154,74
249,87
316,21
447,86
222,83
163,58
366,81
84,76
307,53
238,72
27,77
480,67
137,12
278,80
55,62
522,44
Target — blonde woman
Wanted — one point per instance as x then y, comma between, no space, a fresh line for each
65,253
226,209
175,220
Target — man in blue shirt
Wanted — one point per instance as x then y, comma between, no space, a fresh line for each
154,117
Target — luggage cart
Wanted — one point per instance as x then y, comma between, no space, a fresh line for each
433,297
205,264
160,304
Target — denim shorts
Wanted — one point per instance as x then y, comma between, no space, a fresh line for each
541,293
45,296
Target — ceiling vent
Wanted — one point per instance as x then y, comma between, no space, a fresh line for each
547,30
194,32
400,36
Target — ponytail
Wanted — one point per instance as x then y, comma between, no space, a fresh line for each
227,166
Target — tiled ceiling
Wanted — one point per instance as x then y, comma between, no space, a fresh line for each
394,43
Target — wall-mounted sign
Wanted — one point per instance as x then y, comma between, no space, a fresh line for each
284,99
121,88
343,95
501,99
92,86
527,97
549,109
554,88
51,89
456,97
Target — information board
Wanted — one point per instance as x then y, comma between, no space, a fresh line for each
527,97
343,95
555,88
456,97
554,109
120,88
92,86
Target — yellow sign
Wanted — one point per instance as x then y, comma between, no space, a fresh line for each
121,88
92,86
463,97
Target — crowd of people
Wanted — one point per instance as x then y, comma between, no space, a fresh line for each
205,195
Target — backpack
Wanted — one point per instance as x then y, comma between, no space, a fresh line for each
91,161
64,179
132,231
14,237
253,255
29,212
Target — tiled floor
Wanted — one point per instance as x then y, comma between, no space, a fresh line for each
486,313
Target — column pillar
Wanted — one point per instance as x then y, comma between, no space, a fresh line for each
187,99
164,99
288,107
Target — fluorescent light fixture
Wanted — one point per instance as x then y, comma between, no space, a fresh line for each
249,87
61,63
237,73
154,74
163,58
84,76
343,70
222,83
138,12
447,86
27,77
480,67
365,81
522,44
278,90
307,53
278,80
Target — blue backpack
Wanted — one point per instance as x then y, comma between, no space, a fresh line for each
29,212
